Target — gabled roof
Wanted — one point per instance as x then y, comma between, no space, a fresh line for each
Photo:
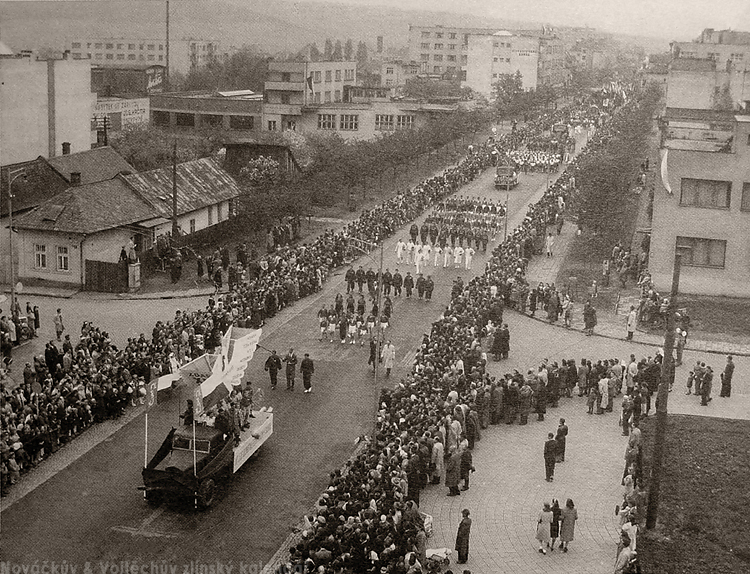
95,164
200,183
88,209
41,183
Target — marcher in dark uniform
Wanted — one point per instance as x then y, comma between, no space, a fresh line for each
273,366
550,451
560,437
307,368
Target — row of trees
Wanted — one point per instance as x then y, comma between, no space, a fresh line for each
338,169
243,70
334,51
512,100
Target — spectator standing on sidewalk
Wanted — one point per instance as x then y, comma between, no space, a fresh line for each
726,378
589,318
560,438
59,325
550,451
543,527
632,319
462,537
307,368
467,464
706,385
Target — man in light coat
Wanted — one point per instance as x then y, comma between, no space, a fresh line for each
632,317
388,354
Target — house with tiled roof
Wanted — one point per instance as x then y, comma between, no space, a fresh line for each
67,236
91,165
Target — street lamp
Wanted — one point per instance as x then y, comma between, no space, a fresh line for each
365,247
13,175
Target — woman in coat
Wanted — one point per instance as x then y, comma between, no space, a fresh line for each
437,460
554,527
525,394
543,527
568,515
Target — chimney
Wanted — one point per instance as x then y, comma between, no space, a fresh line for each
75,178
66,148
65,54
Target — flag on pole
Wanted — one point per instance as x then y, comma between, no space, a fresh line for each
664,173
311,85
151,398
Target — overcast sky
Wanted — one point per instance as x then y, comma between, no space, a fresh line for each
669,19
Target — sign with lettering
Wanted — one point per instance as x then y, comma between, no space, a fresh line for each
121,113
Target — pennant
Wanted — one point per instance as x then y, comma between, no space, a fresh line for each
311,85
664,173
151,398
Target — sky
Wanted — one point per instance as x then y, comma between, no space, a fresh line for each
670,19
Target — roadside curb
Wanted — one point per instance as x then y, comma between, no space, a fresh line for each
705,346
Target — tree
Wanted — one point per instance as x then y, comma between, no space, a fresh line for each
245,69
328,50
314,53
424,88
349,50
507,92
362,53
338,52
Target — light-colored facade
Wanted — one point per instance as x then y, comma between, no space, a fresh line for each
43,103
705,84
443,49
491,56
395,73
184,54
720,45
290,86
702,206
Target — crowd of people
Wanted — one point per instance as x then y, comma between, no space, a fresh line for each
368,519
543,161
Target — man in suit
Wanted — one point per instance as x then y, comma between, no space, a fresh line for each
550,452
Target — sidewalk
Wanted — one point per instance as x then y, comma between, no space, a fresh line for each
547,269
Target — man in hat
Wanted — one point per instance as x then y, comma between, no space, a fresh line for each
550,452
307,368
726,378
462,537
189,414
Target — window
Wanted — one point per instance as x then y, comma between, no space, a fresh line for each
452,35
349,74
40,256
185,120
241,122
507,60
192,226
337,96
383,122
436,69
495,59
286,76
63,262
98,45
438,57
131,56
326,121
285,98
213,120
425,45
736,57
271,125
150,57
316,97
451,69
349,123
338,75
438,46
110,56
317,77
438,34
141,46
404,122
328,75
451,46
495,44
451,58
131,46
120,46
389,71
745,205
425,34
494,76
210,215
120,56
705,193
161,58
151,46
464,59
327,97
76,55
76,45
160,118
389,82
424,57
110,46
699,252
161,47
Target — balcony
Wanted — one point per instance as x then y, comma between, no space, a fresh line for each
285,86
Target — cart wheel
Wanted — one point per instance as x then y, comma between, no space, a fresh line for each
206,494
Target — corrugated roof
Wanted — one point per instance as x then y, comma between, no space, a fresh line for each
87,209
94,165
199,183
41,183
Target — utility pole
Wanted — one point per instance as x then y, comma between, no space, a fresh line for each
507,212
667,370
175,225
13,175
166,56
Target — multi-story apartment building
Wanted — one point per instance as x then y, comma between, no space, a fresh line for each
718,45
129,52
442,49
702,205
395,73
290,86
539,59
238,110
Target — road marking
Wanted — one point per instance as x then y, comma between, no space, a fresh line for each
142,529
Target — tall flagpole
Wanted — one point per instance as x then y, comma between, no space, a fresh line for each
145,448
195,463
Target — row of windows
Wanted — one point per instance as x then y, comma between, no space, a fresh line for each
149,57
62,260
451,36
161,118
350,122
711,194
426,46
506,60
330,76
106,46
700,252
439,58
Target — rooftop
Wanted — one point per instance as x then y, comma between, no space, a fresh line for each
41,182
692,65
94,165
